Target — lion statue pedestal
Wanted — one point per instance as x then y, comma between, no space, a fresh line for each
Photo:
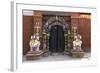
34,52
77,51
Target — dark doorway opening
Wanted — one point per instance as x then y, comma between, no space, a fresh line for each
56,39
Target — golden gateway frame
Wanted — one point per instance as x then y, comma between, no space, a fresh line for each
17,42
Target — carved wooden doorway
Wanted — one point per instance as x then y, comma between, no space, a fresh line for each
54,31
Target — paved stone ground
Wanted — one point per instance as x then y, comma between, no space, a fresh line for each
56,57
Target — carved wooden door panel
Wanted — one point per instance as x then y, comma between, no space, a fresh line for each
56,40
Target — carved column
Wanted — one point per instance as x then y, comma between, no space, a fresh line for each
37,22
75,20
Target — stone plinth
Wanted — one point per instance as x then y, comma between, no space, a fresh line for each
33,55
77,54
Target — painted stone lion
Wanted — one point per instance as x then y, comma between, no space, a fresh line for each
34,43
77,43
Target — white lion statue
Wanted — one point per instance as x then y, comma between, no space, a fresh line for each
34,43
77,43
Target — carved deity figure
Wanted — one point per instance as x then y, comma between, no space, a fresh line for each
77,43
34,43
